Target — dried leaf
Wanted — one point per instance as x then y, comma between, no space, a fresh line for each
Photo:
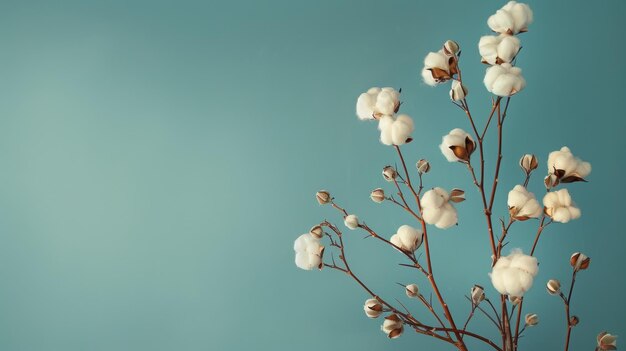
439,74
395,333
460,152
469,145
572,178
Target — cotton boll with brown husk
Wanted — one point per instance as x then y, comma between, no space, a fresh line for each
395,130
523,204
458,91
392,326
309,252
579,261
498,49
437,209
513,275
457,146
438,68
373,308
512,18
560,207
407,238
607,341
377,102
351,221
566,167
504,80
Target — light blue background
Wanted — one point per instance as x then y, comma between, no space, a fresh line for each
160,157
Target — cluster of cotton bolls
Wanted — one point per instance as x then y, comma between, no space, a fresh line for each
382,104
442,66
407,238
513,274
499,51
437,207
563,167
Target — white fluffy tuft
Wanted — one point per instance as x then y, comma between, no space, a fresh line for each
395,131
309,252
498,49
560,207
513,275
456,137
435,60
566,161
407,238
351,221
437,209
377,102
512,18
504,80
523,204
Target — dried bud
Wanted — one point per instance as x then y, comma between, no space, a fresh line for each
392,326
457,195
478,294
451,47
317,231
458,91
573,321
532,319
377,195
423,166
528,163
323,197
551,181
373,308
579,261
389,173
412,290
351,221
515,300
607,341
553,286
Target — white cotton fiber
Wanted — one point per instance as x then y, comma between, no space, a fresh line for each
437,210
377,102
513,275
308,252
498,49
504,80
456,137
564,160
512,18
523,203
560,207
407,238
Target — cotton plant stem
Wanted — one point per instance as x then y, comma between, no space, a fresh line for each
542,226
568,302
431,278
407,317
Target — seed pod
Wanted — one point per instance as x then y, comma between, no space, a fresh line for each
389,173
478,294
412,290
515,300
573,321
607,341
458,91
392,326
532,319
457,195
317,231
528,163
423,166
579,261
451,47
377,195
323,197
351,221
553,286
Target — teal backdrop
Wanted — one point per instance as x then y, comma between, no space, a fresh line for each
160,157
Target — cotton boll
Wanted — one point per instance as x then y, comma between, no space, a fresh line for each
458,91
513,275
567,167
560,207
512,18
392,326
498,49
436,68
504,80
457,145
401,129
522,204
395,131
377,102
309,252
373,308
437,210
407,238
351,221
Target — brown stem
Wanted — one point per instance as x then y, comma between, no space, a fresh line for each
567,312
